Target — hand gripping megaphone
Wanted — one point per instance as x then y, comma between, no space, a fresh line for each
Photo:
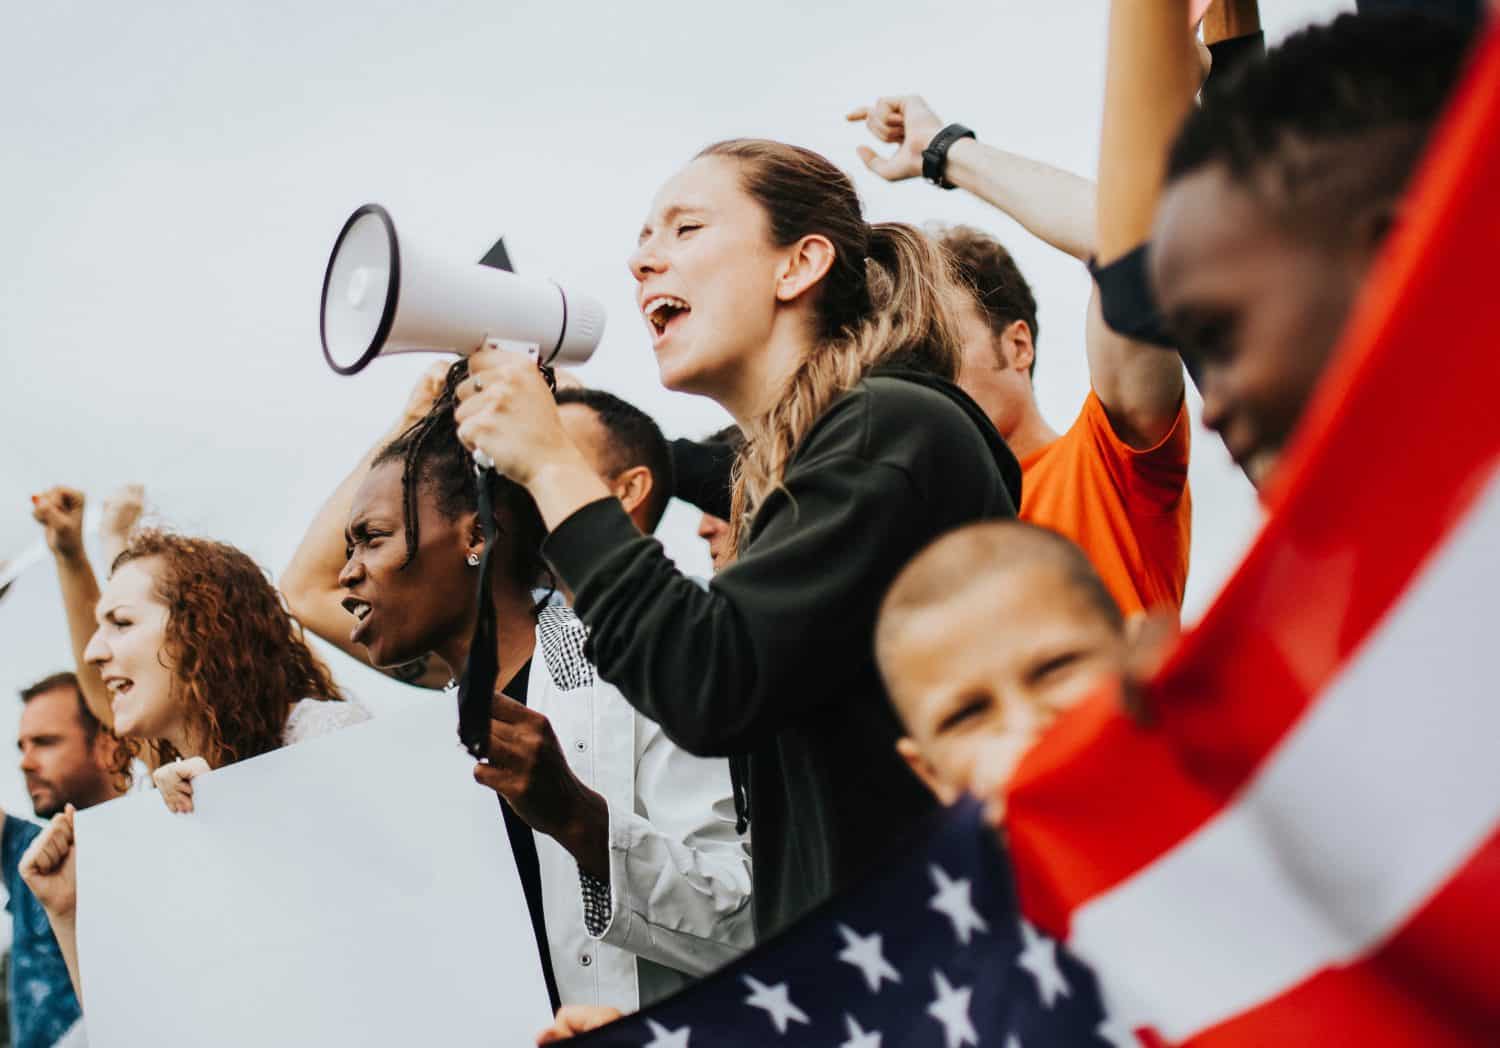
384,295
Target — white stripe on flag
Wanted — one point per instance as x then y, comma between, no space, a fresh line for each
1359,816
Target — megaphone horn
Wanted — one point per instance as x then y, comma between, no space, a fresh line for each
382,295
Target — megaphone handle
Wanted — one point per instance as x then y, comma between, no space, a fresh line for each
482,460
532,351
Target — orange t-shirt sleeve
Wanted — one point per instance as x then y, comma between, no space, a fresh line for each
1128,508
1150,477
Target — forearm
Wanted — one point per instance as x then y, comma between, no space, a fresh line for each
1055,206
310,579
1152,76
586,835
65,930
680,903
80,595
563,487
643,615
111,545
679,868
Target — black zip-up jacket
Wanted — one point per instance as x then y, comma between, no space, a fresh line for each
774,664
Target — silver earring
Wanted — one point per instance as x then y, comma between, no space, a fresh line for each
473,559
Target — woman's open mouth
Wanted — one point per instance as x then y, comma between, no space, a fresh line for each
661,312
361,610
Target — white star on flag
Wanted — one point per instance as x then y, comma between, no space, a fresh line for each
858,1038
665,1038
952,1010
775,1002
953,902
1039,957
864,953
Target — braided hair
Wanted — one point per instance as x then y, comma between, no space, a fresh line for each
431,454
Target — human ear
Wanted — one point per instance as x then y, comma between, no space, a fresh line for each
912,754
633,487
1017,346
808,261
474,541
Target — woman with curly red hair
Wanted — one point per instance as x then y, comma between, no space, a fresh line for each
201,660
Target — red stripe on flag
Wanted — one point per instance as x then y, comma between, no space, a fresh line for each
1402,432
1432,984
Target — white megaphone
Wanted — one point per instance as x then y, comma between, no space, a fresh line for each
382,296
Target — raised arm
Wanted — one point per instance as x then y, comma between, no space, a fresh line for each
122,511
310,582
1154,70
50,869
60,512
1055,206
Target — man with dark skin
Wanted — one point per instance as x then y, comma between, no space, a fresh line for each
1275,205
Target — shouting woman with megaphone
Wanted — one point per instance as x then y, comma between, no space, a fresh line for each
830,342
625,843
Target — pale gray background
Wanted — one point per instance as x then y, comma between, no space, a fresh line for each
175,174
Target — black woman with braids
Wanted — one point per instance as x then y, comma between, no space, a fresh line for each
644,881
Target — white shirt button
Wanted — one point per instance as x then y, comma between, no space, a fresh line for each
585,960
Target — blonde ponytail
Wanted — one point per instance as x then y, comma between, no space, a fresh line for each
906,317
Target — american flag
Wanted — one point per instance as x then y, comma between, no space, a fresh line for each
1304,848
931,951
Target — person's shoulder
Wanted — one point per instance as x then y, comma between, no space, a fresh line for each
310,718
561,636
883,407
899,393
16,835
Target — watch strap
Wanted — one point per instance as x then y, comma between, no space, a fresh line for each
935,156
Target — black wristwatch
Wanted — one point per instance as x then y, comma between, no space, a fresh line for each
935,156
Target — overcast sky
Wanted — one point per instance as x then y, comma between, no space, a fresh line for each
176,173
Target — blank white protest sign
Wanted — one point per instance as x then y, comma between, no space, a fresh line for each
356,888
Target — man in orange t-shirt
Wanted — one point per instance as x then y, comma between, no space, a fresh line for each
1116,481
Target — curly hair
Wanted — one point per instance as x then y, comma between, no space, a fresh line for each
433,458
239,659
1372,82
